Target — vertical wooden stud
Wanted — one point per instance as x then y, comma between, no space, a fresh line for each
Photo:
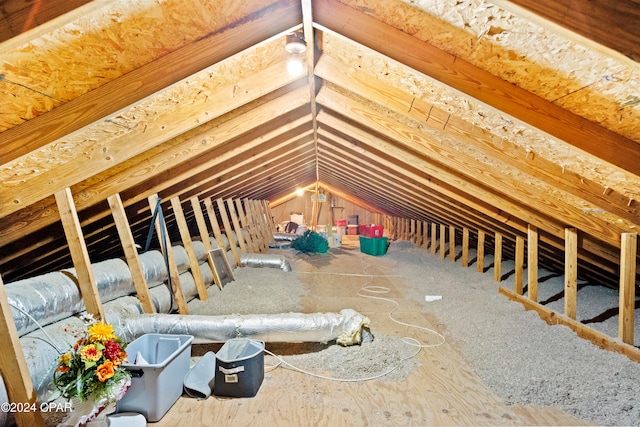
519,265
244,223
255,224
131,253
236,226
465,247
79,253
202,224
497,260
570,272
425,239
532,263
228,232
452,243
480,252
213,221
628,253
434,232
13,366
204,234
176,287
187,243
443,243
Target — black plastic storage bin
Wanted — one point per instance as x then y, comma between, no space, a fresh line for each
239,368
352,220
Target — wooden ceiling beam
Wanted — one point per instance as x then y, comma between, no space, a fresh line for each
530,163
147,80
158,161
469,172
613,24
331,15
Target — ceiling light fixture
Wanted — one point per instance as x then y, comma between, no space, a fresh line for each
295,46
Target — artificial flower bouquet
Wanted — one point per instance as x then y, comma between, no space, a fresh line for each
92,369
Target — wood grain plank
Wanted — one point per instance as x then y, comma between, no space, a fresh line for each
79,253
145,81
15,372
480,84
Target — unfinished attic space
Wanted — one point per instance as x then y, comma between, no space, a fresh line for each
319,212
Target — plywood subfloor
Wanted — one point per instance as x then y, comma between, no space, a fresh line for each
440,390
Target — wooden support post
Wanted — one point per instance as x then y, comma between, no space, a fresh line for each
532,263
244,224
443,243
79,253
131,253
228,232
452,243
13,367
202,224
465,247
204,234
425,240
628,253
570,272
173,272
434,234
255,225
519,265
236,226
269,225
497,258
213,221
480,252
270,220
194,263
413,234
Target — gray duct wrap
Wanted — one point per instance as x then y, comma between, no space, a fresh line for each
54,299
265,260
285,236
56,296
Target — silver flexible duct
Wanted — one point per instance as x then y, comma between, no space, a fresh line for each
265,260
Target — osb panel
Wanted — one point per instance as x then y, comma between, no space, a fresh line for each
429,90
175,101
585,82
102,46
509,181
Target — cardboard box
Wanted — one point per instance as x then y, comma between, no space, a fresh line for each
239,368
157,383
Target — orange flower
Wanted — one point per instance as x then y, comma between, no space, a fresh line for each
63,369
105,371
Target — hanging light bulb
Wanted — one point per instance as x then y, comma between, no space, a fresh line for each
295,46
295,66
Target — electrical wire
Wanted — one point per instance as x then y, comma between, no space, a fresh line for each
361,292
49,339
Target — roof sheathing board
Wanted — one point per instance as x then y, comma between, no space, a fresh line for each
511,130
102,46
602,89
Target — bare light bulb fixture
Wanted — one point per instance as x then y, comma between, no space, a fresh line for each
295,46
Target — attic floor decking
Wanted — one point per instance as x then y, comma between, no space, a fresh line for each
441,390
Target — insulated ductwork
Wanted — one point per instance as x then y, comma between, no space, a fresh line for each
265,260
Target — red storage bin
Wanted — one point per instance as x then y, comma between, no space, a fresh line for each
363,230
376,231
341,222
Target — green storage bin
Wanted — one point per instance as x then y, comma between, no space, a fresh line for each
373,245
